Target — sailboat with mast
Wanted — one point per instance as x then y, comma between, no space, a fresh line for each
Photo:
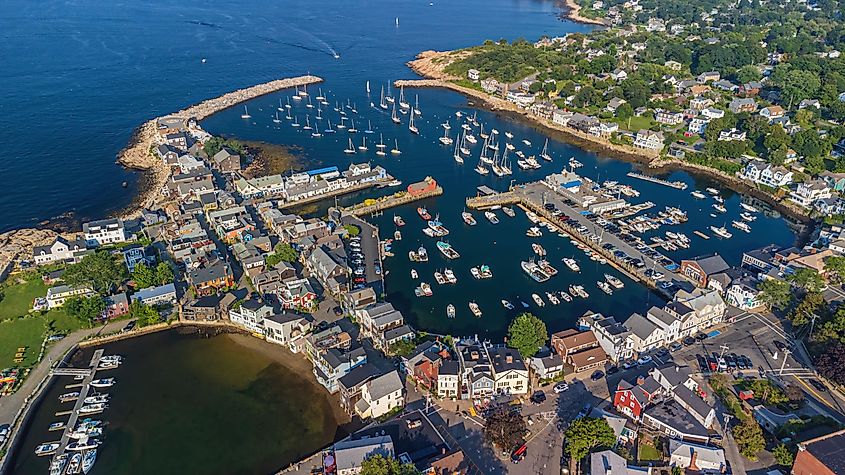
463,148
417,110
307,123
309,105
446,140
363,147
395,118
350,149
413,128
352,129
276,118
457,155
320,97
402,103
369,128
382,102
395,150
380,146
295,122
329,128
281,107
545,153
245,115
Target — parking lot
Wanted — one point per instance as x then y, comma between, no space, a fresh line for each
364,257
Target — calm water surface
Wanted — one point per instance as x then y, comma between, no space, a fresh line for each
191,405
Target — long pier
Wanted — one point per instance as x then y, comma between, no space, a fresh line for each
83,393
678,185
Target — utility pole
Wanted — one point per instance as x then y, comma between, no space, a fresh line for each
728,418
813,318
786,353
724,349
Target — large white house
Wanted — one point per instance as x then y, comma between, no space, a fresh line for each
104,231
509,371
649,139
381,395
766,174
61,250
57,296
808,192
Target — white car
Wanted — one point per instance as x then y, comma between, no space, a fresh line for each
560,387
645,359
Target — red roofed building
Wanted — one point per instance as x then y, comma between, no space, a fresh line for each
631,400
425,186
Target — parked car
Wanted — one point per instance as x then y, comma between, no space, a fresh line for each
518,455
560,387
597,375
818,385
613,370
662,352
644,360
675,347
689,341
538,397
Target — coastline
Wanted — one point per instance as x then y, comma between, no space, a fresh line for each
430,65
572,13
137,155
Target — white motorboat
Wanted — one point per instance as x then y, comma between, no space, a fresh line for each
450,311
507,304
75,464
491,216
103,383
748,208
88,459
572,264
614,281
57,465
83,445
475,309
538,300
699,195
92,408
741,225
97,399
721,232
46,448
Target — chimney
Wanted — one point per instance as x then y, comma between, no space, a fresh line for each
692,466
677,368
640,380
509,359
443,450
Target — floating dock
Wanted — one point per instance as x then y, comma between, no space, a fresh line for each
80,401
701,235
678,185
416,191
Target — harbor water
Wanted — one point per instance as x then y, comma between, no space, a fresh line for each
184,404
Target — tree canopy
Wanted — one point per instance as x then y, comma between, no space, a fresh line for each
527,334
505,428
144,276
99,270
380,465
282,252
775,294
86,309
586,434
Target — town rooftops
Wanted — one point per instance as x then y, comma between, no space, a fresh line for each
712,455
608,462
350,454
383,385
694,403
671,414
153,292
400,332
213,272
828,449
506,359
449,368
711,265
640,326
588,357
674,374
287,317
359,376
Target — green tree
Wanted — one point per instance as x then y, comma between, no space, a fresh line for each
636,92
402,347
676,470
586,434
380,465
776,139
783,455
86,309
527,334
748,73
99,270
164,273
775,294
282,252
143,276
807,279
143,314
798,85
810,304
749,438
625,111
352,229
504,428
834,268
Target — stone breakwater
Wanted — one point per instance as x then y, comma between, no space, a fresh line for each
138,153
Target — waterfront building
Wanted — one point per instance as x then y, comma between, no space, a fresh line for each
204,308
649,139
807,193
380,395
613,337
104,231
117,305
359,299
349,454
334,363
521,99
60,250
571,341
699,270
448,379
168,154
58,295
214,277
476,371
473,75
287,329
547,367
350,386
250,314
161,295
136,254
743,294
268,185
296,294
329,268
821,456
226,161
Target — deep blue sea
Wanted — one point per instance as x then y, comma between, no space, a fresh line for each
81,75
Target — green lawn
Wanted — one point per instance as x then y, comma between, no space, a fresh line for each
17,298
26,332
648,452
637,123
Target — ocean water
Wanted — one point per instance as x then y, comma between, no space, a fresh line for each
80,75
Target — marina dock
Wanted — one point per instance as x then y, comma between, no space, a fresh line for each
533,197
83,393
428,188
678,185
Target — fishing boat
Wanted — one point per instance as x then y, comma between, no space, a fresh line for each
450,311
395,150
446,140
67,397
698,195
507,304
538,300
46,448
508,211
605,287
245,115
552,298
533,232
447,250
397,220
748,208
712,191
439,278
424,290
57,465
450,276
614,281
484,272
721,232
436,226
421,255
83,445
92,408
491,216
475,272
350,149
475,309
747,217
545,153
103,383
75,464
534,271
572,264
414,274
573,163
742,226
97,399
719,207
413,128
88,459
538,249
423,213
565,296
468,218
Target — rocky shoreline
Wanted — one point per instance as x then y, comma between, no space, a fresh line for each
572,13
138,155
432,64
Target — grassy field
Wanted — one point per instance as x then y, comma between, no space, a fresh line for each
17,299
19,328
648,452
637,123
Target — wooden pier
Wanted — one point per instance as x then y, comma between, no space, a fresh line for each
80,401
678,185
